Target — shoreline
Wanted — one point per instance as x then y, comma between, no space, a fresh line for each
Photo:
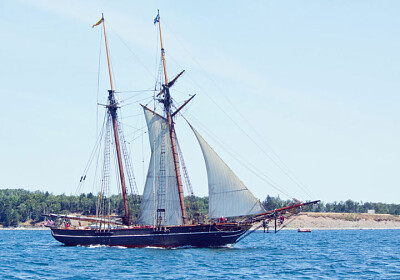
24,228
313,221
343,221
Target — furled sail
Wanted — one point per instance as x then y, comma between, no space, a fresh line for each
160,191
228,196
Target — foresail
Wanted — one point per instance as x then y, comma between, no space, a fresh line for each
228,196
160,190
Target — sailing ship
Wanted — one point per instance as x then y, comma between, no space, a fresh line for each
162,219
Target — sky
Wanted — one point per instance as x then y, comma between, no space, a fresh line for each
300,98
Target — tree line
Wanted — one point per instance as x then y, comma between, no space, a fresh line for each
18,205
348,206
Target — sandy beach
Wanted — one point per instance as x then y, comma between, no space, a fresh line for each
315,220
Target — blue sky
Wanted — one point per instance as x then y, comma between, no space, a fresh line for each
312,84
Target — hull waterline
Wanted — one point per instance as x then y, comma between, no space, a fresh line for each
196,236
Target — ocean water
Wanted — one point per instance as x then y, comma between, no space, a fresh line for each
321,254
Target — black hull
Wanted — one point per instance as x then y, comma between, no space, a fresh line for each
175,236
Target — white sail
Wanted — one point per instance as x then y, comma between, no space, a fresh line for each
228,196
160,191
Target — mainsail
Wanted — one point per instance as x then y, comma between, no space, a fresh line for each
228,196
160,191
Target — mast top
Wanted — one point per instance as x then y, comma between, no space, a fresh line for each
162,47
108,54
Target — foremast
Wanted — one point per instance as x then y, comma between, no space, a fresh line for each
112,109
169,114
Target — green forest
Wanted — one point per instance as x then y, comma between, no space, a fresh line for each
348,206
18,205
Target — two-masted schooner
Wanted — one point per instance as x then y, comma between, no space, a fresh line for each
162,220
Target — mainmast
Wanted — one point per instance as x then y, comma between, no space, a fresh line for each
167,108
112,108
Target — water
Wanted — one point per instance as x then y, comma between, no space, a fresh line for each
334,254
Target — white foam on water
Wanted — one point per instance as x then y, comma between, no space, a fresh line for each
153,247
97,246
120,247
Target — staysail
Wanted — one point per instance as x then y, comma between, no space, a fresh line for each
160,191
228,196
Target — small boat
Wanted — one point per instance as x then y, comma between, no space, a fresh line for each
304,230
162,219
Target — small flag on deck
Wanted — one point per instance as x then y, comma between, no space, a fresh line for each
100,21
157,19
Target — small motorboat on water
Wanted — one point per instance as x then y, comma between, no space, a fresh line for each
304,230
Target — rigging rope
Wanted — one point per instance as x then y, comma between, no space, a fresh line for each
242,161
98,82
91,157
130,50
135,91
156,56
287,172
136,102
248,233
287,223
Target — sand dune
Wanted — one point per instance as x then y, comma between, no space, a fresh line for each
315,220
